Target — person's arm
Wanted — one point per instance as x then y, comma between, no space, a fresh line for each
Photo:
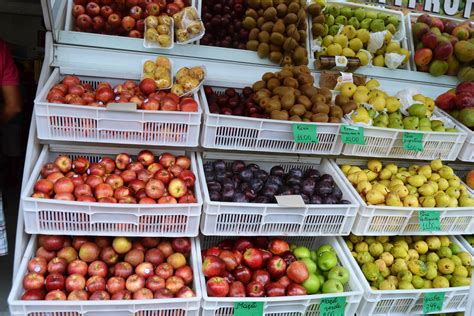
12,102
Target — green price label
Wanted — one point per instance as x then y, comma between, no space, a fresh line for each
332,306
248,308
352,135
429,221
413,141
433,302
305,133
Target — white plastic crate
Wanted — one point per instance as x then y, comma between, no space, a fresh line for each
403,302
233,219
375,220
154,307
388,142
232,132
402,27
92,124
282,305
49,216
462,240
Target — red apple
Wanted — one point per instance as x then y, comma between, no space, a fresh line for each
177,188
212,266
154,189
150,242
63,185
108,164
33,281
154,256
93,181
106,11
77,267
228,257
217,287
92,9
174,284
48,168
80,165
75,282
166,248
253,258
188,105
98,268
154,167
163,293
275,289
153,9
122,161
135,282
55,295
33,295
78,295
123,269
96,169
44,186
99,296
144,269
188,198
185,273
154,283
134,257
64,163
54,281
64,196
167,160
46,254
242,244
38,265
68,253
146,200
115,285
255,289
78,241
53,177
297,272
122,295
95,283
188,177
261,276
213,251
147,86
295,290
53,243
89,252
109,256
163,175
181,244
237,289
164,270
243,274
102,241
103,190
278,246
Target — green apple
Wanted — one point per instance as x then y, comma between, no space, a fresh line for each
321,278
339,273
310,265
327,260
301,252
312,284
359,13
341,20
313,256
325,248
333,286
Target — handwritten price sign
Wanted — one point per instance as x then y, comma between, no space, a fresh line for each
429,221
332,306
413,141
352,135
305,133
248,308
433,302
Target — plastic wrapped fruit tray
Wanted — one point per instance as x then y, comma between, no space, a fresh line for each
403,302
402,28
233,218
254,134
154,307
49,216
388,142
282,305
462,240
92,124
374,220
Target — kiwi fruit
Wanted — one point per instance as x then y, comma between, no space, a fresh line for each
263,37
334,120
275,48
318,98
273,83
319,19
254,4
302,99
276,57
290,82
279,27
297,109
287,101
252,45
277,38
263,50
253,34
318,29
341,99
335,111
267,76
251,13
296,36
293,7
327,93
320,108
266,3
260,12
291,29
267,27
287,60
282,9
349,107
273,105
270,14
295,118
281,91
307,120
314,9
309,91
249,23
320,117
290,18
298,92
289,44
302,34
299,54
307,115
302,17
259,85
282,74
279,115
260,22
305,79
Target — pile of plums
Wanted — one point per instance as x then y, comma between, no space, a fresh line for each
120,17
238,182
223,22
104,268
144,94
148,180
231,102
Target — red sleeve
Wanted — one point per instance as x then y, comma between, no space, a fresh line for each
8,71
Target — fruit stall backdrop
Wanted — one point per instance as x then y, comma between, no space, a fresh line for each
205,157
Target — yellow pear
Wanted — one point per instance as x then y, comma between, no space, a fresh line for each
392,104
374,165
378,103
400,190
372,84
410,201
345,169
392,167
394,182
428,201
416,180
353,169
364,186
385,174
442,199
357,177
381,188
419,97
370,174
375,197
435,176
392,199
425,171
436,164
426,190
360,96
443,184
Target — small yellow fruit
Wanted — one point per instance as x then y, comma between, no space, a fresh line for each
348,52
372,84
348,89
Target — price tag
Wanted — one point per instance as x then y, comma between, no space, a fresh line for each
433,302
248,308
290,200
123,107
332,306
352,135
429,221
413,141
305,133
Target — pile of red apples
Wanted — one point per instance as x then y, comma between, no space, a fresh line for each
148,180
104,268
120,17
144,94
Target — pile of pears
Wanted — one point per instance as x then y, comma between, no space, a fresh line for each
352,41
431,185
411,262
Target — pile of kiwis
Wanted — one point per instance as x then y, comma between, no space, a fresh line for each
290,94
345,103
277,30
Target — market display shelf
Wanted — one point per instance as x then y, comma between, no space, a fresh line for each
376,220
466,244
403,302
402,29
250,219
388,142
282,305
65,122
155,307
230,132
49,216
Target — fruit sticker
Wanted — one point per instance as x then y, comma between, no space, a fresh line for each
248,308
433,302
352,135
305,133
332,306
412,141
429,221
